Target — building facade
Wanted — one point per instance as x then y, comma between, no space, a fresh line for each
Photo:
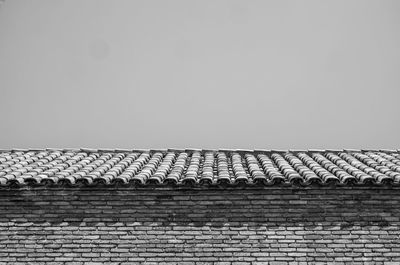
199,207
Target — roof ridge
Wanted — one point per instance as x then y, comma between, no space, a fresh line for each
189,150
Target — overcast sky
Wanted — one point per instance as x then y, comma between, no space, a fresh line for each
206,74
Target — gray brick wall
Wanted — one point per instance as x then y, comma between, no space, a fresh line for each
127,225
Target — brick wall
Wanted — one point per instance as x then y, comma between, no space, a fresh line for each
127,225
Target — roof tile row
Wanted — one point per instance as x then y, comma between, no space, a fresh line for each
194,166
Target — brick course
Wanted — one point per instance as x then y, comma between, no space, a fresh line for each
208,225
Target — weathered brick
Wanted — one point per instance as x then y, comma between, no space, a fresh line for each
126,225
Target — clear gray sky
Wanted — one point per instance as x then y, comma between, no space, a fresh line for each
206,74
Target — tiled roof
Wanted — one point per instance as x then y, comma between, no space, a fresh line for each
198,167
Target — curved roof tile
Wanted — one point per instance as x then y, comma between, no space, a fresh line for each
198,167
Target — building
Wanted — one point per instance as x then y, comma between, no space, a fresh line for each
174,206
